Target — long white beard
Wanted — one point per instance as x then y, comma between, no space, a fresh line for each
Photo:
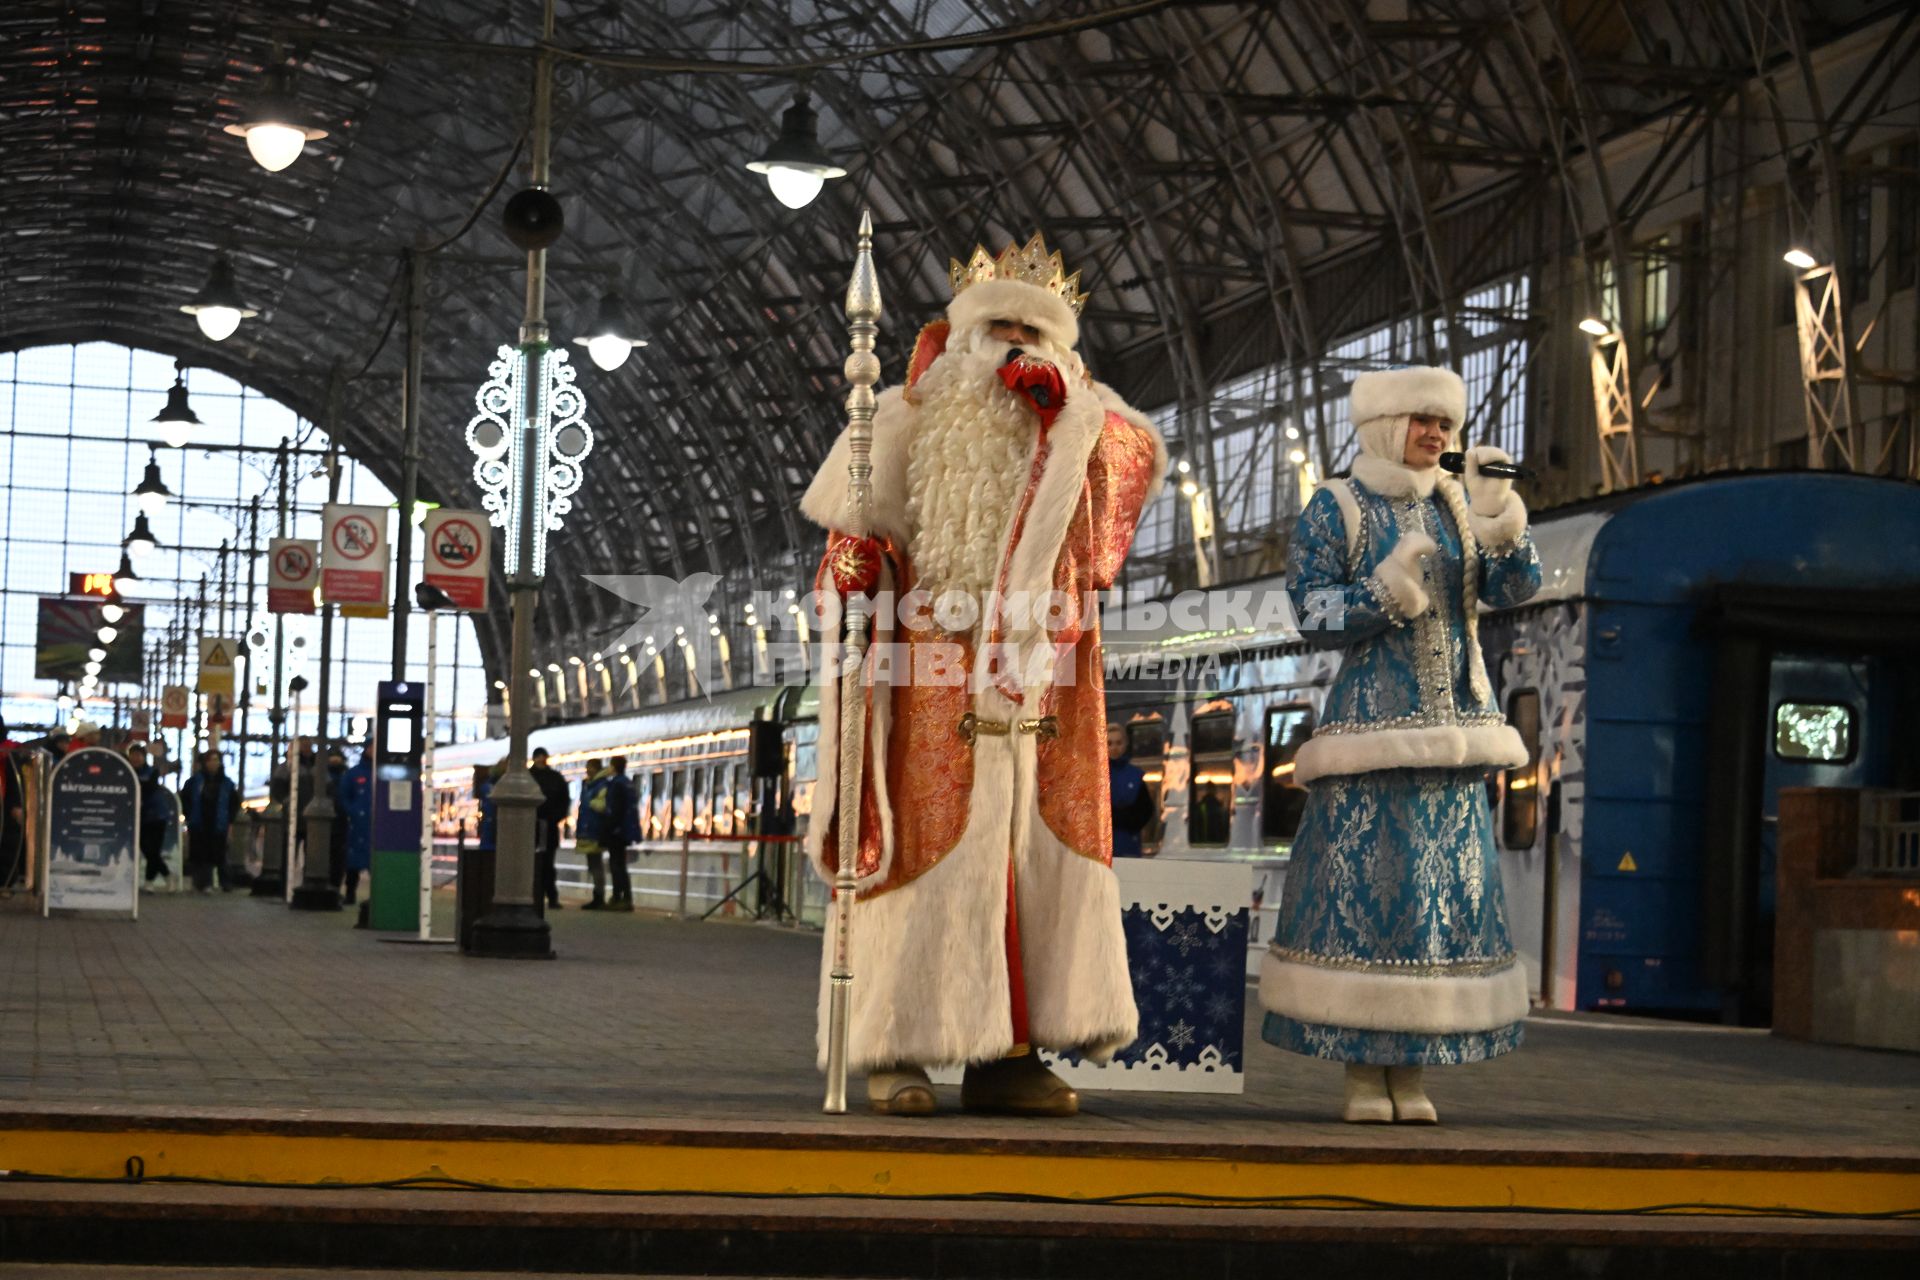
967,466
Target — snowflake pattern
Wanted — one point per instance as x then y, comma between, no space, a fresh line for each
1189,982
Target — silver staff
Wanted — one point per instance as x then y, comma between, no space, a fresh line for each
863,371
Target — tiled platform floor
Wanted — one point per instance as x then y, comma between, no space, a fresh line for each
230,1003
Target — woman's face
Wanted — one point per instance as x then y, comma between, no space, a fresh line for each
1426,441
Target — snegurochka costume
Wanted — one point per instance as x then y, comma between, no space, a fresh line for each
987,921
1392,948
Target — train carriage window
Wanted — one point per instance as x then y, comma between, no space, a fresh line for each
1814,732
1520,811
1282,800
697,801
1147,739
657,806
723,799
1210,801
677,781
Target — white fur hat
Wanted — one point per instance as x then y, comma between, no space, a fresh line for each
1389,393
978,305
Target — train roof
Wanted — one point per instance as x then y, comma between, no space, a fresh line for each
720,712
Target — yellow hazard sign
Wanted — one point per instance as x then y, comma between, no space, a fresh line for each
216,665
1627,863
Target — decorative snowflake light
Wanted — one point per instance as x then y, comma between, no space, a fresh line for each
530,439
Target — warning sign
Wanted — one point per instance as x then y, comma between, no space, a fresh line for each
1627,863
175,699
353,568
293,571
459,552
217,657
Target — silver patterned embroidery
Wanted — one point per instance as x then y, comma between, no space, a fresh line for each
1389,604
1465,967
1425,718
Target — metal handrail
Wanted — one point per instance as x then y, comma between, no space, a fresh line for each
1889,845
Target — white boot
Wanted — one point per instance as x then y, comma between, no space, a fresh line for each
1368,1101
1410,1102
900,1091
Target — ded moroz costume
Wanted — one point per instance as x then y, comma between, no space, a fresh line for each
1392,950
987,921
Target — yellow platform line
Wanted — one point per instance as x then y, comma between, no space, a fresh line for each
668,1167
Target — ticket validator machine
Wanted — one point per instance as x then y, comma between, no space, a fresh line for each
396,805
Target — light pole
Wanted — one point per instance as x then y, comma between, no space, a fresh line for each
316,891
530,437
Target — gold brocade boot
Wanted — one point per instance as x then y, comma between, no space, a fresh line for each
1019,1085
1410,1102
900,1091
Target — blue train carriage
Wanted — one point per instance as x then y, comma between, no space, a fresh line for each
1696,647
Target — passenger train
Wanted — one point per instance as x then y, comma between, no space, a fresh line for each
1696,647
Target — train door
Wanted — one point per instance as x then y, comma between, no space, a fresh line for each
1282,800
1210,798
1147,747
1825,727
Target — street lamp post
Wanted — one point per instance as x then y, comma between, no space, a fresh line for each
530,437
316,891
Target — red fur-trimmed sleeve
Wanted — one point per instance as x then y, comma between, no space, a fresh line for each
1120,475
928,347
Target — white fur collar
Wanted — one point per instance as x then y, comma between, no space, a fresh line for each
1394,479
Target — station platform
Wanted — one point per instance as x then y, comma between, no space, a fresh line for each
227,1082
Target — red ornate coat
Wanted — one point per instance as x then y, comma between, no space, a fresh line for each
1091,475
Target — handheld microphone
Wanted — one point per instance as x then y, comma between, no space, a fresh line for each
1457,463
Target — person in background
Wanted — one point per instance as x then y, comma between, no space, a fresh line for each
1207,824
156,816
337,837
56,742
586,830
209,800
353,794
619,824
13,812
484,779
1128,793
556,799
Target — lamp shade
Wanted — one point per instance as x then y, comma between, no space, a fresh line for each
152,492
796,166
609,339
275,128
218,307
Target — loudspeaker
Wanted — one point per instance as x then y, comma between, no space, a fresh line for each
766,749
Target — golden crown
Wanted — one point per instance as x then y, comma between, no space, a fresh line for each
1031,264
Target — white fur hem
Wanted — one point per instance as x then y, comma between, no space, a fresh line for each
1380,1000
978,305
1386,393
1498,533
1428,747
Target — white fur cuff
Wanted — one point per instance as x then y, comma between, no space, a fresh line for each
1497,533
1381,1000
1430,747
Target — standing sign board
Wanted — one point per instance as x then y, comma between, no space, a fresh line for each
293,571
217,654
459,552
176,700
93,815
353,560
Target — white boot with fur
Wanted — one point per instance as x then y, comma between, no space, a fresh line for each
1410,1102
1368,1101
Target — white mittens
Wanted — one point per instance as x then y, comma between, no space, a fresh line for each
1494,511
1399,575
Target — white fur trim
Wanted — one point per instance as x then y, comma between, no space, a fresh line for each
929,958
977,306
1498,533
1385,393
1439,746
1070,443
1399,573
1110,401
1381,1000
826,787
825,502
1394,479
